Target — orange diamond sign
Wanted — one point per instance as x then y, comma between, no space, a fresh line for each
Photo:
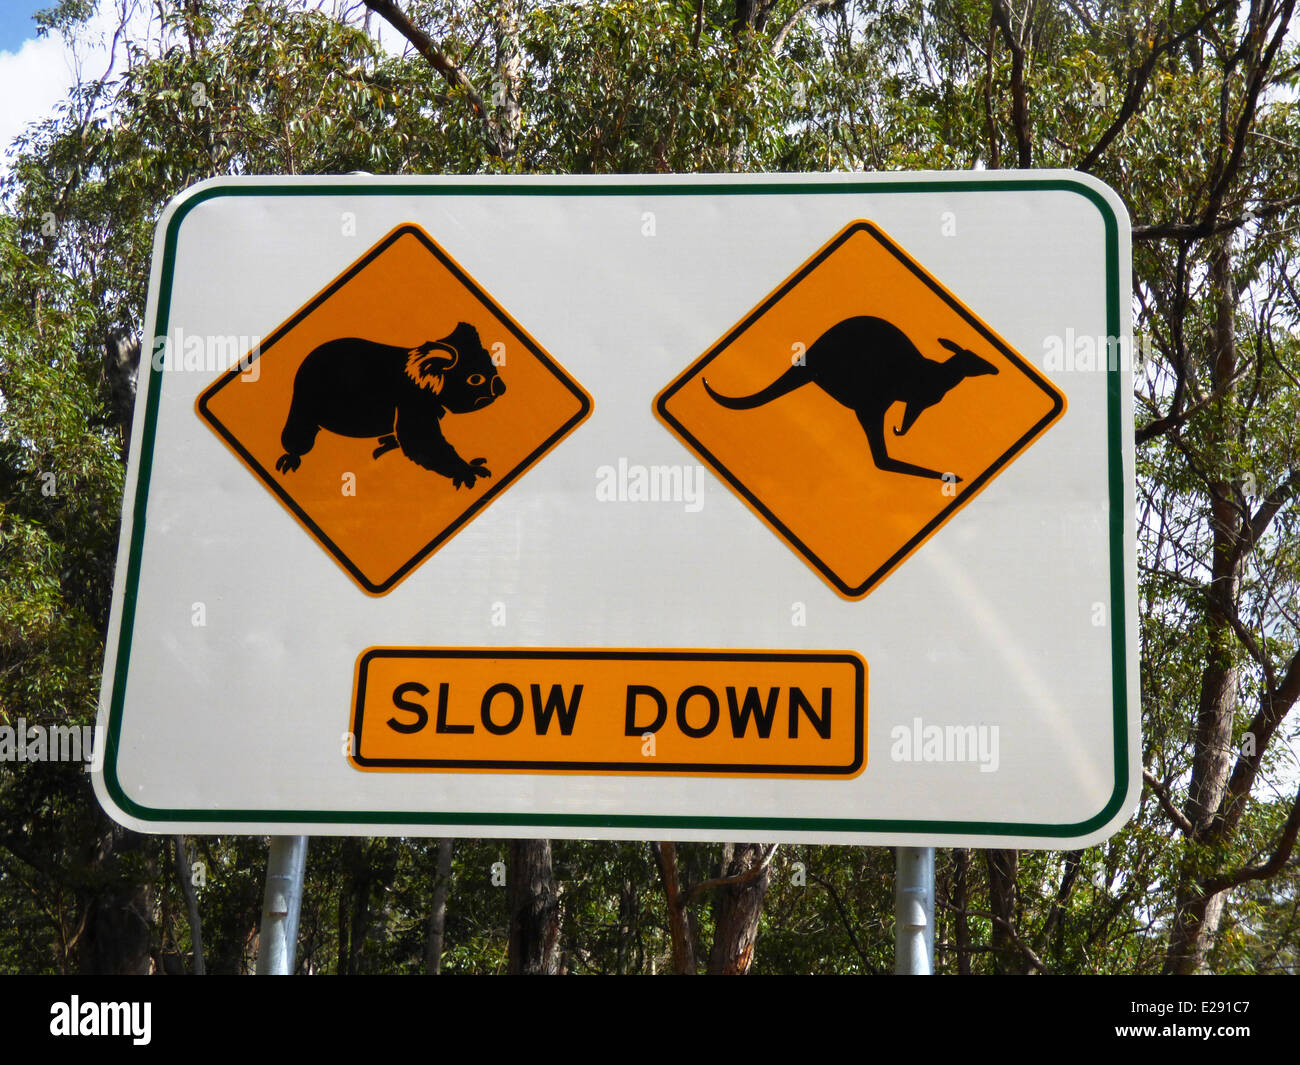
859,407
393,407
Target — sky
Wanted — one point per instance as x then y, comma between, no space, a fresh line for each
16,23
36,72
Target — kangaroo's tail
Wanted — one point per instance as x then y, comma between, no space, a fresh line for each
787,382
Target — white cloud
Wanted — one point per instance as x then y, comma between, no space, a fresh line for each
32,82
39,76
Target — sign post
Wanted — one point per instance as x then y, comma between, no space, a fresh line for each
782,508
914,911
277,945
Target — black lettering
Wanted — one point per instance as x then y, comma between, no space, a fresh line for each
555,707
762,715
821,722
515,717
630,727
442,725
402,703
684,698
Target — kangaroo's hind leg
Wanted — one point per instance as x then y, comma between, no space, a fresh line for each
873,424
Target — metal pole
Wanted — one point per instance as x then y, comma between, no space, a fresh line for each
278,943
914,911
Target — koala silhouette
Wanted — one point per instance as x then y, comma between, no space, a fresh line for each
398,395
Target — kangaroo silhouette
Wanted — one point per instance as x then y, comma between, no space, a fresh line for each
868,365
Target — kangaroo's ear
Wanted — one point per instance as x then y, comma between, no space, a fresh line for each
951,345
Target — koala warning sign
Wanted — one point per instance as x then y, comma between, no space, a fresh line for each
393,407
859,407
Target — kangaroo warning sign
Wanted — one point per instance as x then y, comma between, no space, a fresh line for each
862,305
313,410
446,499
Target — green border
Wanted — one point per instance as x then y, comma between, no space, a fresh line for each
196,818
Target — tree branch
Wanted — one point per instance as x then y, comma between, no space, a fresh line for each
1137,84
1211,227
731,881
1249,108
791,22
454,76
1034,960
1285,844
1274,707
1063,890
1273,502
848,924
1164,424
1019,100
1166,804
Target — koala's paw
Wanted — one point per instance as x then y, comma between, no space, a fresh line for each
287,463
471,470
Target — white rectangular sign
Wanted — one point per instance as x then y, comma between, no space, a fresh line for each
790,508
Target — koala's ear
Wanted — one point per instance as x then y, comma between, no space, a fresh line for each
439,357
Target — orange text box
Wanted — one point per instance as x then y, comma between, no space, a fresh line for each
744,713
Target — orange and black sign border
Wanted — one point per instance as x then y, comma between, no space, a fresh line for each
497,485
960,499
643,767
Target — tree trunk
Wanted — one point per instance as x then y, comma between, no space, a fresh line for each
438,911
117,940
1051,936
750,14
961,903
118,933
1196,917
627,927
121,369
509,77
534,909
118,928
341,920
360,921
186,882
740,906
681,936
1003,866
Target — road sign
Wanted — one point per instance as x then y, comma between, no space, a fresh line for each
534,429
828,468
708,713
313,409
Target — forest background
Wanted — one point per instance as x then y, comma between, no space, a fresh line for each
1187,109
